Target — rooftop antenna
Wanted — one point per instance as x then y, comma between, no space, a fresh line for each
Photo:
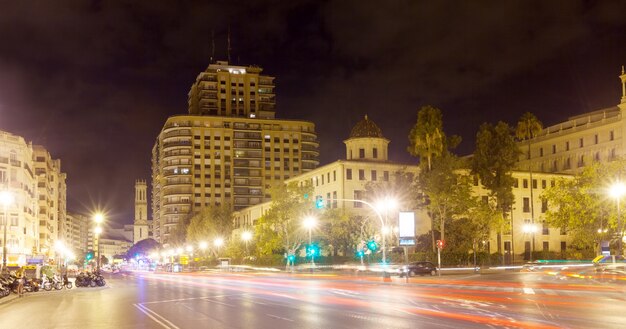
228,44
212,45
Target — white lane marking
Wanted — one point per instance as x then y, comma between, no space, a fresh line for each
216,302
529,291
184,299
153,315
278,317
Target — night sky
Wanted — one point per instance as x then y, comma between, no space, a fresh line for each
94,81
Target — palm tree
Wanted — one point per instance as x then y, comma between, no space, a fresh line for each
528,127
427,140
427,137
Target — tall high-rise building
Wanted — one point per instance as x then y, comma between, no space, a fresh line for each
52,200
230,149
234,91
19,217
140,224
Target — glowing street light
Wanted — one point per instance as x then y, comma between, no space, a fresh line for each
98,218
203,245
246,236
530,229
385,205
218,242
309,223
189,249
7,199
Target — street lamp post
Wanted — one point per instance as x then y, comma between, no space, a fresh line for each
385,204
246,236
98,231
7,199
618,189
98,219
309,223
218,242
391,202
530,228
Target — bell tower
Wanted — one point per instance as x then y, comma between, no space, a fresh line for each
140,231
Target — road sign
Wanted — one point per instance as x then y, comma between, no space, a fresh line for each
441,244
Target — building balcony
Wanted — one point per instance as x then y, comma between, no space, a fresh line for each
247,135
176,125
181,144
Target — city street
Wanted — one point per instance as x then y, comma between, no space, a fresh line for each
281,300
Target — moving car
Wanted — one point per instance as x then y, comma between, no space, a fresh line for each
419,268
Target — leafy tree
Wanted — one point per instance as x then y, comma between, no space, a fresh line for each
178,235
582,205
280,229
211,222
448,188
142,248
494,158
344,231
528,127
427,140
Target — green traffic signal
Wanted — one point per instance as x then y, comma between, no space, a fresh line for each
372,245
319,202
312,250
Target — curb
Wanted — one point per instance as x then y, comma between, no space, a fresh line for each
8,299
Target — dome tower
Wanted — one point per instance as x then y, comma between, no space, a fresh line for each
366,142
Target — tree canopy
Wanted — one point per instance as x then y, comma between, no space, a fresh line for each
426,138
142,248
583,205
210,223
448,189
280,229
494,158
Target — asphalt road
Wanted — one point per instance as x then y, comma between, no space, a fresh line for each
279,300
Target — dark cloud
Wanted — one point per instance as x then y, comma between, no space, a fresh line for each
94,81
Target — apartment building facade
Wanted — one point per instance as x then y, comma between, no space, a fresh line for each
569,146
233,91
52,191
19,217
77,232
229,149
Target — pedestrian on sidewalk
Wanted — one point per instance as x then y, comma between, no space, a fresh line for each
20,282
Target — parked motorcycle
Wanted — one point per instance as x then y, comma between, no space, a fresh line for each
66,282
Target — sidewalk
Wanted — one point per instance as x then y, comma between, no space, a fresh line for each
8,299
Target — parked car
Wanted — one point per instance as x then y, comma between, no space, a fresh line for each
419,268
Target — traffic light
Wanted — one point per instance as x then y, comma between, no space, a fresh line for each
291,258
360,253
372,245
89,256
441,244
319,202
312,250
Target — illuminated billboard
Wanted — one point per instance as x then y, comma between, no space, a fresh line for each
406,226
